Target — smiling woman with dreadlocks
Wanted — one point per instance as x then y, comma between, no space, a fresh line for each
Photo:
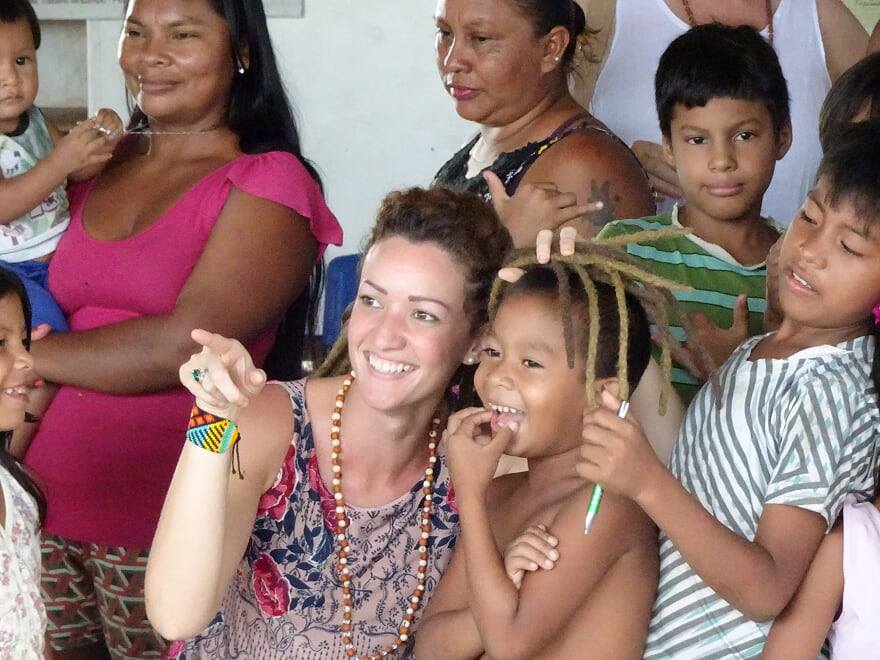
561,335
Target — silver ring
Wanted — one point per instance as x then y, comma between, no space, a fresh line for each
199,374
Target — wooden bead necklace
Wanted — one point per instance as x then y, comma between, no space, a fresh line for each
693,21
414,601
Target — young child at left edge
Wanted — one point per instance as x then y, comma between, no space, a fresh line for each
37,161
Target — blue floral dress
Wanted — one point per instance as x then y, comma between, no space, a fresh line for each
285,600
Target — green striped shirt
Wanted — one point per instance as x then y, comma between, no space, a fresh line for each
714,275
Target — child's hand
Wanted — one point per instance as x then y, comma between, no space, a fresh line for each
532,550
720,343
83,147
661,175
616,454
543,248
471,452
109,124
534,206
222,376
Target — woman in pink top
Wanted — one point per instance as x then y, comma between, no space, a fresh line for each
206,217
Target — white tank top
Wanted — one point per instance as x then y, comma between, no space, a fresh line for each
856,633
624,94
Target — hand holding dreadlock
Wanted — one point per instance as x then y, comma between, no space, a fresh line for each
534,207
473,453
718,341
601,260
616,454
543,247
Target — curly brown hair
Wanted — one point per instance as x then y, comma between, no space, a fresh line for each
462,224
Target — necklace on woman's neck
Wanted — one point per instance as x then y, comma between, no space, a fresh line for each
110,133
342,523
693,21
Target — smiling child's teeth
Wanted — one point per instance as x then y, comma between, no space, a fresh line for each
801,280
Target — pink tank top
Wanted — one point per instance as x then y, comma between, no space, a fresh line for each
105,461
856,633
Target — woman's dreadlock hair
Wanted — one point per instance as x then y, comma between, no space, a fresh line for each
600,276
466,228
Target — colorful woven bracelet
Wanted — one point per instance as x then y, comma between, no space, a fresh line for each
216,434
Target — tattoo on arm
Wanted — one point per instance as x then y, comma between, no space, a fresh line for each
607,213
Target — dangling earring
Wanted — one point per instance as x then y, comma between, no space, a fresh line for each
241,69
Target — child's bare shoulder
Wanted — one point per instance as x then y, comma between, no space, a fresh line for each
619,518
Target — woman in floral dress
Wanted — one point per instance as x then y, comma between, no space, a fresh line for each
355,513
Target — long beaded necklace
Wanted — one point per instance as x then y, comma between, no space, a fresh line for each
413,602
693,21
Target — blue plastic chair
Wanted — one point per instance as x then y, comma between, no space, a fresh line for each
340,291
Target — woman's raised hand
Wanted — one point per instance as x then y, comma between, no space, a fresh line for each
222,376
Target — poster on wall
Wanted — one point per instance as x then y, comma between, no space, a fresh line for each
112,9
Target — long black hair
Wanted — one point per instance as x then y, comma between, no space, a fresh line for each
11,285
850,168
261,115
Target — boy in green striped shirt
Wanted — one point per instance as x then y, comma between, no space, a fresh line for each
723,107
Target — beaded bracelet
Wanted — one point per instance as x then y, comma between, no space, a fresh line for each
215,434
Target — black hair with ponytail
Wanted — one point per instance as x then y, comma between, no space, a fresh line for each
850,167
548,14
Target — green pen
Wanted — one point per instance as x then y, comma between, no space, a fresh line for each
596,498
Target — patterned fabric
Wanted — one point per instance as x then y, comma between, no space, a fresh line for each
208,432
95,593
37,233
510,167
285,600
714,275
22,614
801,431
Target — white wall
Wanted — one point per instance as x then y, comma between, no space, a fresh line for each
62,60
372,111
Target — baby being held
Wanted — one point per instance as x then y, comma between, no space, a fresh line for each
37,161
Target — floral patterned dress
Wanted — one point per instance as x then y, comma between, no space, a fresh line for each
22,613
285,601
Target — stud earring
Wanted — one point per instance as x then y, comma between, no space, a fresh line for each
241,69
469,360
